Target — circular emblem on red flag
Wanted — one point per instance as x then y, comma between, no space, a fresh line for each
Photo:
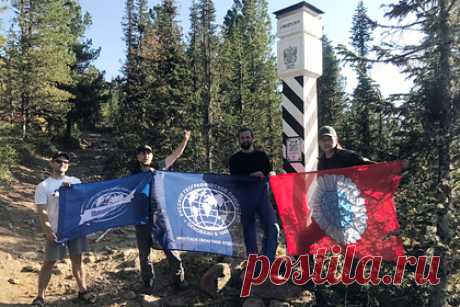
338,207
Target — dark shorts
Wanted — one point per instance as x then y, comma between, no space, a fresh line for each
58,251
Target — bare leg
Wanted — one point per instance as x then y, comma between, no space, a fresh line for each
44,277
78,271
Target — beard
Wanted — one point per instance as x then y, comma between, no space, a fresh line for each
246,145
144,163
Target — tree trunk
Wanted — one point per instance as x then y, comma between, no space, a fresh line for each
443,143
207,54
68,130
24,113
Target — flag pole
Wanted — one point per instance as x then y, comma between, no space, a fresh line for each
103,235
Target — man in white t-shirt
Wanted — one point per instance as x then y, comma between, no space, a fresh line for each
47,202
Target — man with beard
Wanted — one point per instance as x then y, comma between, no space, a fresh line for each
251,162
144,163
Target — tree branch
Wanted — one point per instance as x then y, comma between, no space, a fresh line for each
398,27
451,5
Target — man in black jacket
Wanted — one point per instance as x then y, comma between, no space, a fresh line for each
251,162
333,155
144,157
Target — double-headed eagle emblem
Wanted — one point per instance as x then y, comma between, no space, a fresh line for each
290,57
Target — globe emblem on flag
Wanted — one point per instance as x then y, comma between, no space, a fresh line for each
338,208
209,209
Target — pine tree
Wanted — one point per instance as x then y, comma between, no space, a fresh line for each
129,69
361,35
208,51
331,94
425,126
247,79
8,76
366,98
110,110
43,60
24,61
260,105
139,79
196,69
229,86
202,52
85,101
92,92
434,93
169,87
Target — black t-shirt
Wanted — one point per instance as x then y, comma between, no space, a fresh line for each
243,163
342,158
157,165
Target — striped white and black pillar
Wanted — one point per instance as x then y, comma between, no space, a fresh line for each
299,66
300,122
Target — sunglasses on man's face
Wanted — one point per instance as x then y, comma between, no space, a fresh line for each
59,161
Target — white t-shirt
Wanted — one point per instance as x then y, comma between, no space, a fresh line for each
47,194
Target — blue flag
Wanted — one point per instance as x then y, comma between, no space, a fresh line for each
202,212
90,207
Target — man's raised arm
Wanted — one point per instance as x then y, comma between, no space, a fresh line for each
169,161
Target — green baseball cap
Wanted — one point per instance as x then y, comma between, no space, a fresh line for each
327,130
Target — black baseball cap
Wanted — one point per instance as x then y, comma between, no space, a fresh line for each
143,148
61,154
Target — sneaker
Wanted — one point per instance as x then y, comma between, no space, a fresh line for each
38,302
180,283
148,285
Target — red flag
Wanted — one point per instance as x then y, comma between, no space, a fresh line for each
348,206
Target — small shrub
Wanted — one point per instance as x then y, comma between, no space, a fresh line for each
44,147
7,159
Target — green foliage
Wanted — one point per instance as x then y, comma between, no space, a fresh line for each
44,59
110,110
43,146
361,30
156,89
38,59
88,88
367,115
331,93
8,158
90,92
212,87
120,160
247,88
2,38
202,54
426,131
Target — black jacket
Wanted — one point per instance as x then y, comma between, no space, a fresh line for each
342,158
244,164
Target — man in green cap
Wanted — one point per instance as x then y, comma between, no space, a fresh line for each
333,154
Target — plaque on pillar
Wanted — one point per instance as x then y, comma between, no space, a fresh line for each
299,29
294,149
